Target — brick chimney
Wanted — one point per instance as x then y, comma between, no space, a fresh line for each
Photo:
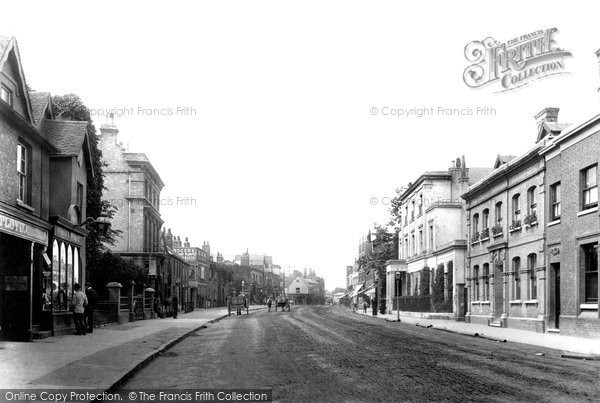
186,244
547,115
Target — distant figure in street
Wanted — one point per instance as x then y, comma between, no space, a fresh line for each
175,302
214,302
79,302
269,302
365,307
354,306
92,298
158,307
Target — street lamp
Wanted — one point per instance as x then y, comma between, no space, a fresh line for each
397,276
243,282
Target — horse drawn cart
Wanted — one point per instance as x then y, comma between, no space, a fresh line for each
237,303
282,302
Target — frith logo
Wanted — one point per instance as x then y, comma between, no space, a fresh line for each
515,63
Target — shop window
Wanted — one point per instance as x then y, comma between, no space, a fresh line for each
590,269
589,188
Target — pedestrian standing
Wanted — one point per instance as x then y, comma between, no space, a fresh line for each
269,302
92,302
79,302
364,306
175,302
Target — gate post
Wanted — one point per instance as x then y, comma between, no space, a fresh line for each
114,295
149,295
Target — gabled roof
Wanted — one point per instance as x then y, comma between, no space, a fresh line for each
40,103
66,136
6,46
69,138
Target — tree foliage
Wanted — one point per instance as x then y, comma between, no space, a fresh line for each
71,107
111,268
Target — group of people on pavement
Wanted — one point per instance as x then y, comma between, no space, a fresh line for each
83,305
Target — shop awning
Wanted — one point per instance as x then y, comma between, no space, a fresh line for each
356,291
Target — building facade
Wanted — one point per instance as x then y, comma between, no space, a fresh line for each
44,165
433,237
506,224
572,230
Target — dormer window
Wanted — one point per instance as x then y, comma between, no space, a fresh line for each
6,95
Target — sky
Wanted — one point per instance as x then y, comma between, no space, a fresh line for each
270,121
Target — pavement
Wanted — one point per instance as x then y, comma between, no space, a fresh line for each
572,347
100,360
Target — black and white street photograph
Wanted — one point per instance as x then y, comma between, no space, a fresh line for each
285,201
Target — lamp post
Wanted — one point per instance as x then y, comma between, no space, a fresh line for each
397,277
243,283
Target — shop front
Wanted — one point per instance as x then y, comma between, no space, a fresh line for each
67,251
23,241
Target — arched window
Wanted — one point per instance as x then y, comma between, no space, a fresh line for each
55,272
63,285
531,263
498,213
531,202
516,278
475,228
69,270
476,282
485,219
516,209
76,273
486,282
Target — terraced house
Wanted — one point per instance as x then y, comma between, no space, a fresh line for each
573,230
506,270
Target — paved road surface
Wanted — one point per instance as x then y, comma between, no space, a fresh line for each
329,354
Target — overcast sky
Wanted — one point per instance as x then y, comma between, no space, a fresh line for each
283,155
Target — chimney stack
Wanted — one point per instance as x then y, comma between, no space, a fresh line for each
547,115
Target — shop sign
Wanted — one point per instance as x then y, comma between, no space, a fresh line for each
15,283
18,228
187,253
68,235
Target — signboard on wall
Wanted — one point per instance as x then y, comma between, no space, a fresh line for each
187,253
15,283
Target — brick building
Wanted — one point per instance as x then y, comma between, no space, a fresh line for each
506,224
432,237
44,165
573,230
133,186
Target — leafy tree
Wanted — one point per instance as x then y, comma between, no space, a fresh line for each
114,268
385,247
71,107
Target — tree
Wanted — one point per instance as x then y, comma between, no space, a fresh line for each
71,107
385,247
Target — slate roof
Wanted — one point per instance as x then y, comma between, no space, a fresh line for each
39,102
66,136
